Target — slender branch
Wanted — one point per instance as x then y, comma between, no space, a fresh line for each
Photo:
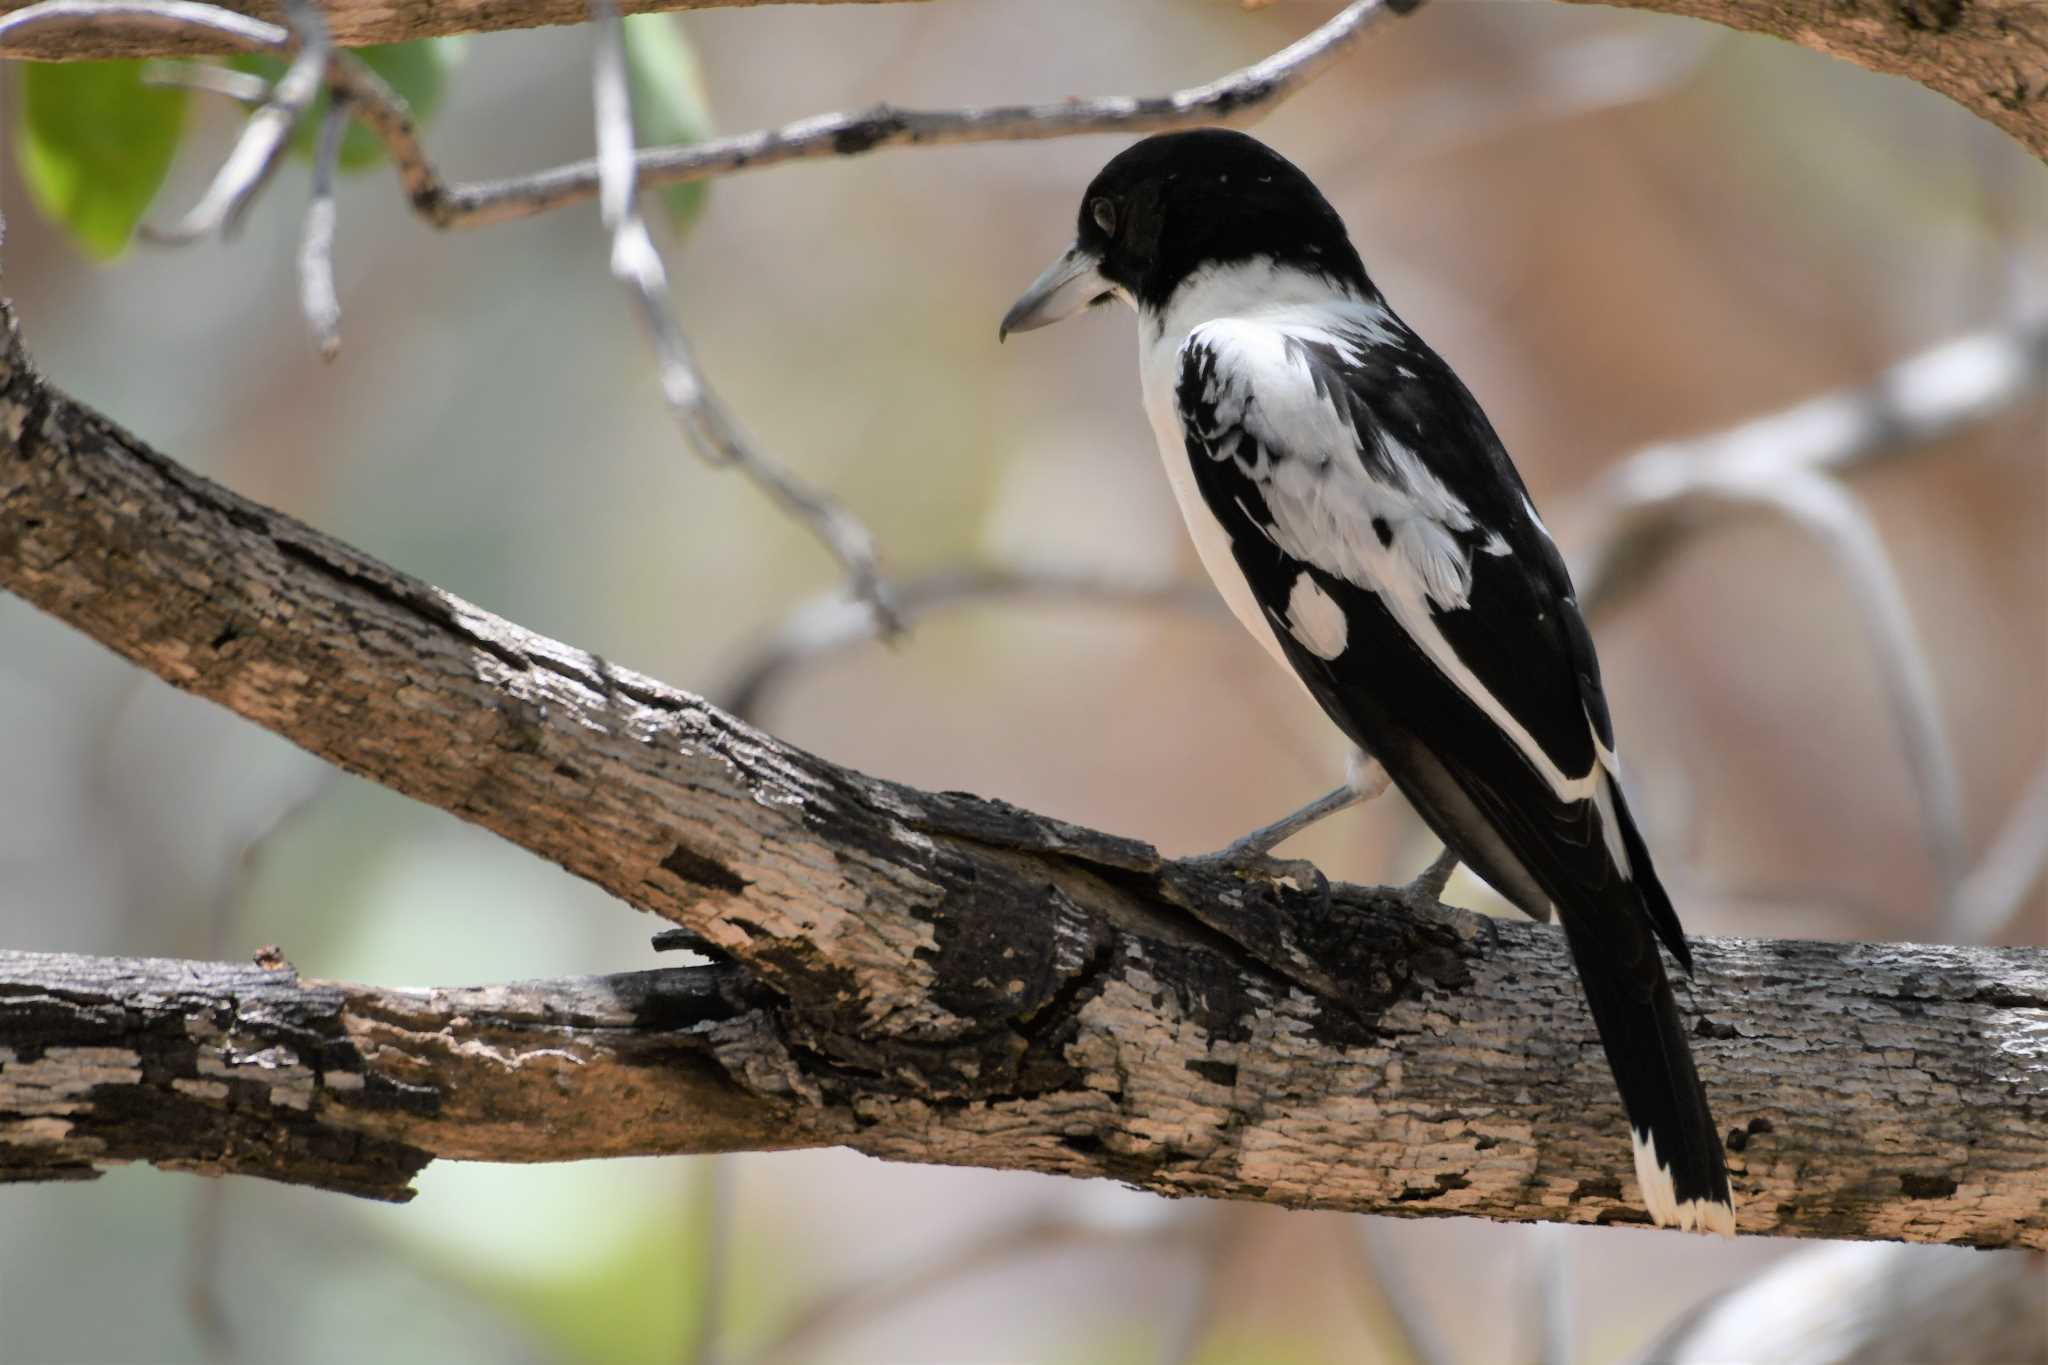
1253,90
1641,511
1792,462
1862,1305
317,296
1995,892
255,156
243,87
829,624
1232,98
703,420
921,976
830,1317
1990,56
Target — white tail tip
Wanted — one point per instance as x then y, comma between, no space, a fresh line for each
1661,1199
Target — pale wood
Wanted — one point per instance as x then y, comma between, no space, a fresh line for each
922,976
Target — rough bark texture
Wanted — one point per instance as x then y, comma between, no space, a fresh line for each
217,1069
353,23
1990,56
922,976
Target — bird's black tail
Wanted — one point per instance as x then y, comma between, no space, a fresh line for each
1679,1162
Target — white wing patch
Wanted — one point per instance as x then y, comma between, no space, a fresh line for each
1315,619
1322,498
1324,501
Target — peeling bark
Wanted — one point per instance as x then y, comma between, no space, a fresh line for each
922,976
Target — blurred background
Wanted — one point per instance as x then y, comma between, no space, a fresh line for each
1620,228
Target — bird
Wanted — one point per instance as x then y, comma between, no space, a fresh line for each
1361,518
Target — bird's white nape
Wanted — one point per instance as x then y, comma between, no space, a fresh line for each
1661,1198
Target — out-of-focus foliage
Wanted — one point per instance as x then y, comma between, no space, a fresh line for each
650,1281
670,107
419,71
94,145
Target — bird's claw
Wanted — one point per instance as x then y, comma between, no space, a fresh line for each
1423,897
1256,865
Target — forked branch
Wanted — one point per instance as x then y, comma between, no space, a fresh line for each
922,976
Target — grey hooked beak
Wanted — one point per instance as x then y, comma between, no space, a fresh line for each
1068,285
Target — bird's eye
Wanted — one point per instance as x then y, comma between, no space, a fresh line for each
1104,214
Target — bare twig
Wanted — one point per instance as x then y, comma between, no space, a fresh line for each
705,1345
1836,517
212,20
205,1239
705,423
1547,1291
1997,888
243,87
702,418
1790,461
317,295
385,113
1870,1304
1232,98
256,152
1214,1235
1383,1289
831,1317
1633,517
373,102
829,624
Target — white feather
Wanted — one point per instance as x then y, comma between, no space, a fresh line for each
1315,619
1322,498
1660,1196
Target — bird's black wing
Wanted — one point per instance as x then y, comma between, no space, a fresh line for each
1358,479
1394,550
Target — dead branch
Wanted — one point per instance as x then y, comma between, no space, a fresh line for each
921,976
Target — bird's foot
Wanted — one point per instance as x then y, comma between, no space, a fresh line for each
1428,887
1424,895
1249,862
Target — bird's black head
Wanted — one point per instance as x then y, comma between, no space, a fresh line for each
1165,207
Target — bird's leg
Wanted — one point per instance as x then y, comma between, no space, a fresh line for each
1252,855
1430,884
1426,892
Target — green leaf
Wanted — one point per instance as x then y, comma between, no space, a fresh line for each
95,144
669,105
419,71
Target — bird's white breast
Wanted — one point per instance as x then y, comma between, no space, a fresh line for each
1159,361
1243,289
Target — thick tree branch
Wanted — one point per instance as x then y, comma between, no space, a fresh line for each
918,975
353,23
249,1070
